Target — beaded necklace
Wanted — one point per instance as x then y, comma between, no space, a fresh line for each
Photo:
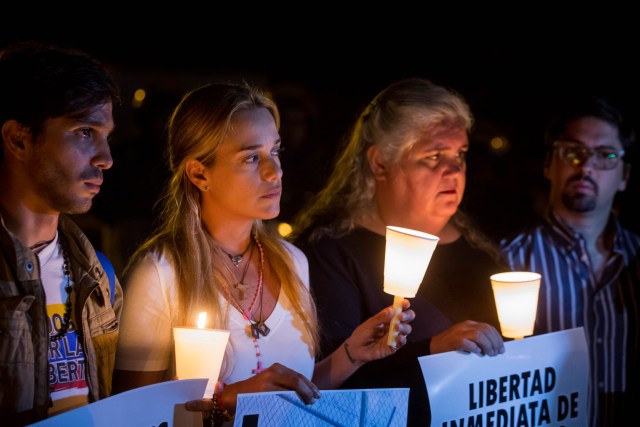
68,287
257,328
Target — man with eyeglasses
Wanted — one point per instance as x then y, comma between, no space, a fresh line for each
587,259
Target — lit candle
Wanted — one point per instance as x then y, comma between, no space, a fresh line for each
407,255
199,352
202,319
516,295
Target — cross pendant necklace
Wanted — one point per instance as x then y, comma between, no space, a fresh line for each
241,286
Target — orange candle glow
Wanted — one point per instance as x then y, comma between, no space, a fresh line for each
199,352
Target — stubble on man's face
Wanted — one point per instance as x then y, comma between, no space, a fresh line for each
580,201
60,185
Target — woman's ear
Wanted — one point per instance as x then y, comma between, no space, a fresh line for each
196,174
377,162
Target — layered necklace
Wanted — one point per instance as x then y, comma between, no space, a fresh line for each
240,285
237,259
258,327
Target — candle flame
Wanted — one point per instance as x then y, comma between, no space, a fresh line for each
202,319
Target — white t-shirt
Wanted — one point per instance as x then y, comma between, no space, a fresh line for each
150,312
67,369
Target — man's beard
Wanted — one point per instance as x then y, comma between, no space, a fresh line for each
578,202
54,182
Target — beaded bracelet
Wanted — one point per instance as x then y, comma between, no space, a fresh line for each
219,414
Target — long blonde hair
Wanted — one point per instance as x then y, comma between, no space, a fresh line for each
196,129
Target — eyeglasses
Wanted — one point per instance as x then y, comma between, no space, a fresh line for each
604,158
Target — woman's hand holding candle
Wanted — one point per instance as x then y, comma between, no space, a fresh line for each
407,255
369,340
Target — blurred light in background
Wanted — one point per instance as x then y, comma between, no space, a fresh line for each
499,144
284,229
138,98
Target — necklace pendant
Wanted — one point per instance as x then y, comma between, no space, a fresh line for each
258,368
241,287
263,329
259,328
236,260
255,333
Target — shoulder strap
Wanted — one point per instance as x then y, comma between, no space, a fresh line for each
109,270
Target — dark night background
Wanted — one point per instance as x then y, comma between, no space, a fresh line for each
322,77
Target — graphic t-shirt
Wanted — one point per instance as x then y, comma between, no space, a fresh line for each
67,372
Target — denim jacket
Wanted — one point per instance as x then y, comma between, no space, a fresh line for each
24,325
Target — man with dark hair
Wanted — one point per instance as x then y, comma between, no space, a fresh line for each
587,259
58,319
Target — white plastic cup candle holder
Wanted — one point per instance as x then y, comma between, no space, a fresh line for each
199,353
516,296
407,256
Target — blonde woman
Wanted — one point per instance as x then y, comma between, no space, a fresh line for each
214,252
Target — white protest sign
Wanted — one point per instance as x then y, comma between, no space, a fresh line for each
539,380
156,405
